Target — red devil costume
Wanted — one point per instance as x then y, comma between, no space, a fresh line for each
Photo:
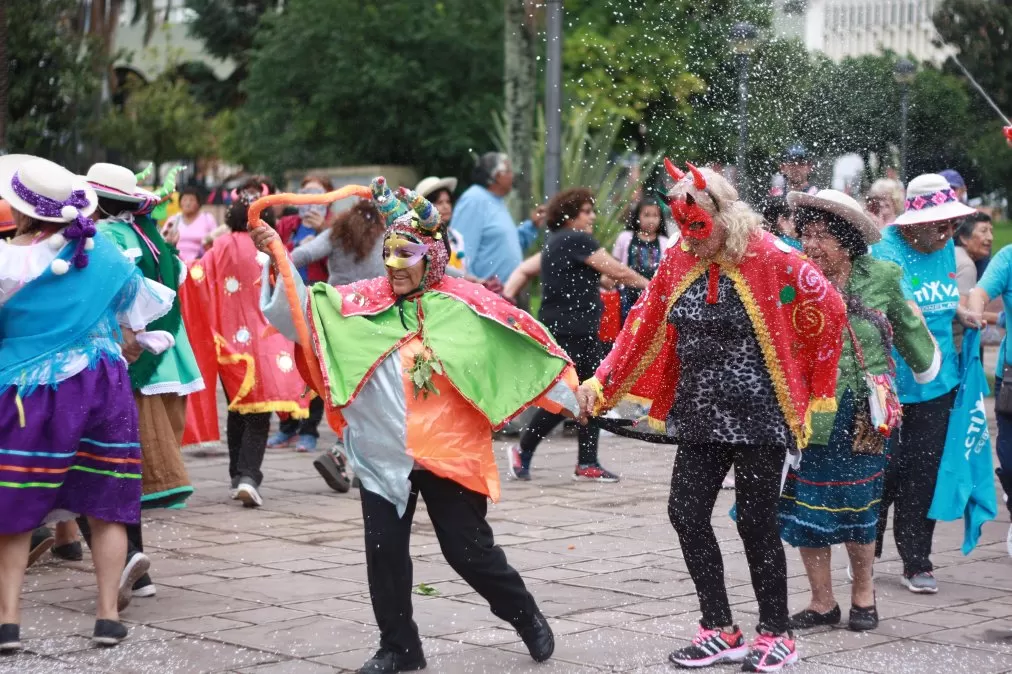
734,351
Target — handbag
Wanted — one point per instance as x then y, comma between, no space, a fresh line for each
1003,403
874,422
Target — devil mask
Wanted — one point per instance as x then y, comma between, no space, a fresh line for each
693,220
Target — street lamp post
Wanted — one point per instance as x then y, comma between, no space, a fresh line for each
904,72
743,39
553,99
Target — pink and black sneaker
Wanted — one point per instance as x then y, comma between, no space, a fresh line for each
770,653
710,647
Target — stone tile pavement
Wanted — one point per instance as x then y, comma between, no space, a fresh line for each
282,590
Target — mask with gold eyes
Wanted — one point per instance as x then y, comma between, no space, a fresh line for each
399,252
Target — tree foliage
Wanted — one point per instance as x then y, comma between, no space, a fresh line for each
158,122
51,79
981,32
353,81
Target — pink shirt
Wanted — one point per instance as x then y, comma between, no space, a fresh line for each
191,236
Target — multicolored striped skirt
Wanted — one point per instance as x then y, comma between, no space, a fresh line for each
834,497
70,450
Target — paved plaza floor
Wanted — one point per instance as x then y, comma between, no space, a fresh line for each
282,589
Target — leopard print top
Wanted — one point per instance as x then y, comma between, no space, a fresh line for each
724,392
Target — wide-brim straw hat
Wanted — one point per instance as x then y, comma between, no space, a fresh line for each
931,199
111,181
841,205
44,178
433,184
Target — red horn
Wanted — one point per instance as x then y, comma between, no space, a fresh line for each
264,190
673,170
697,177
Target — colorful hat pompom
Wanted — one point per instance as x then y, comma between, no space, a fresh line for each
387,203
60,267
427,214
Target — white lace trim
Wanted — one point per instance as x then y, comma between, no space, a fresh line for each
179,388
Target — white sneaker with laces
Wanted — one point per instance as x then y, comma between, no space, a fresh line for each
248,494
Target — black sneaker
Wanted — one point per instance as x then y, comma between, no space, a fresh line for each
10,638
42,541
809,618
333,469
388,662
710,647
538,638
108,632
144,587
71,552
770,653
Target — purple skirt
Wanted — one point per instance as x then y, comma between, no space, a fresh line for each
77,450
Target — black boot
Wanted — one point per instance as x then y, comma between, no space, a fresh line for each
538,637
387,661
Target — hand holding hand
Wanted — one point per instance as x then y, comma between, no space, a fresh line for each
171,236
970,319
539,216
587,398
130,347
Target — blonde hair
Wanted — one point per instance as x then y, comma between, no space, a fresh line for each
720,200
887,188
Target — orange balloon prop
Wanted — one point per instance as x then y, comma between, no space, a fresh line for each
280,256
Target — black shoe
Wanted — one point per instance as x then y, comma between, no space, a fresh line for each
863,619
136,566
108,632
10,638
332,469
538,638
809,618
42,541
72,552
389,662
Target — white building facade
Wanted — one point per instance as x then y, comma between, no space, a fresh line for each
842,28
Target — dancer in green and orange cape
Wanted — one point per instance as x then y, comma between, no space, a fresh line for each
418,369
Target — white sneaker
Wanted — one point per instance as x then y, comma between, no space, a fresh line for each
135,567
248,494
1008,541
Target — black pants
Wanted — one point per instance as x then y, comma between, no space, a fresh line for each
910,481
586,352
308,426
247,442
465,537
695,483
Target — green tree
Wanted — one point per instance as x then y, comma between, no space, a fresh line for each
51,80
158,122
981,32
227,28
352,82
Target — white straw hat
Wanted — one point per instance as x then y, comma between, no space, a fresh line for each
24,178
930,199
839,204
117,182
432,184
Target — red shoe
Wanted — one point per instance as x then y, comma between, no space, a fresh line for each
594,473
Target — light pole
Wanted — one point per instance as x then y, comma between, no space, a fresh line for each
904,72
743,39
553,99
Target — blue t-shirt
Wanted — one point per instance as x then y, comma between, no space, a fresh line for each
929,279
301,233
493,240
997,282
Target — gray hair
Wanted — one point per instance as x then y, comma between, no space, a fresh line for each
490,165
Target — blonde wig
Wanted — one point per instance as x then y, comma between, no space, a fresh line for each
720,200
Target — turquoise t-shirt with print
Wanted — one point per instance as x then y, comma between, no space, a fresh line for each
997,282
929,279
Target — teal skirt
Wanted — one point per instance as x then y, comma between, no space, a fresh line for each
834,497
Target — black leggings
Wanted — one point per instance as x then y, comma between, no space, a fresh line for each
695,483
586,352
910,481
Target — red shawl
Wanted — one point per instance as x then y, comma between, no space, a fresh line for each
233,342
797,316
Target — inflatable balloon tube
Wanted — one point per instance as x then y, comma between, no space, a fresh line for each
280,258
